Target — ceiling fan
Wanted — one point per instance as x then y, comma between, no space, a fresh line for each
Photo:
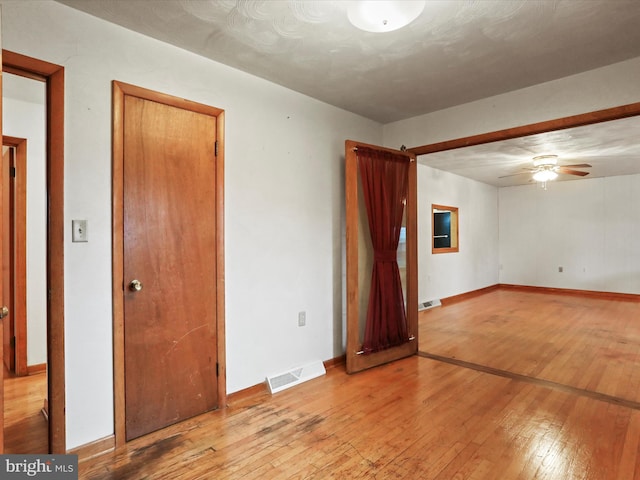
545,168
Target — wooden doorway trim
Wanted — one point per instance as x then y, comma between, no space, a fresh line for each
53,77
119,91
598,116
18,307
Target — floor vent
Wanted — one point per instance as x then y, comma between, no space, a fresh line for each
428,305
295,376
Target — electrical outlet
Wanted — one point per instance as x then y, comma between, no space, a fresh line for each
302,319
79,229
560,269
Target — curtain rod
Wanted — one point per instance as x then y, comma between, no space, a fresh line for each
411,159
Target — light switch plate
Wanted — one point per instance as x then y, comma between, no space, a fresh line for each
79,231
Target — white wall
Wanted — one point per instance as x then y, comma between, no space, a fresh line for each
283,207
24,119
475,265
284,191
605,87
590,228
597,89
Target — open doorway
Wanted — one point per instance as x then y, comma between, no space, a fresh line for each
52,76
25,330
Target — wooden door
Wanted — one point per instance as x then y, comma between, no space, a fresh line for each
169,223
15,354
358,259
8,324
3,212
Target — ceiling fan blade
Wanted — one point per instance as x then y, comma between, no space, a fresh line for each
578,165
524,172
568,171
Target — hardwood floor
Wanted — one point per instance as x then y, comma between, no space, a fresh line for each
25,428
583,342
427,419
414,419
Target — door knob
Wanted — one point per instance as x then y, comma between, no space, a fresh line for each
135,285
4,311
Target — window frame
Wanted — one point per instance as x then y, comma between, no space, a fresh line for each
454,229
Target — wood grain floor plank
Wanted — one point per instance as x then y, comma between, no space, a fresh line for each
25,428
481,426
629,465
583,342
434,418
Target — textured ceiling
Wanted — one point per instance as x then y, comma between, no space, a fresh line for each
611,148
457,51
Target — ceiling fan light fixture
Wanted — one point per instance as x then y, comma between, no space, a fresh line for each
545,176
541,160
383,15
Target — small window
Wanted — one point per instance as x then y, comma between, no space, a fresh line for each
445,229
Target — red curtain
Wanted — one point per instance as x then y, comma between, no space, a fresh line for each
384,177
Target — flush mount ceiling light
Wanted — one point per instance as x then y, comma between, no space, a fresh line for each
383,16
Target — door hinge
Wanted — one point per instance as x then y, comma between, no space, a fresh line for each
217,369
12,172
216,148
13,342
